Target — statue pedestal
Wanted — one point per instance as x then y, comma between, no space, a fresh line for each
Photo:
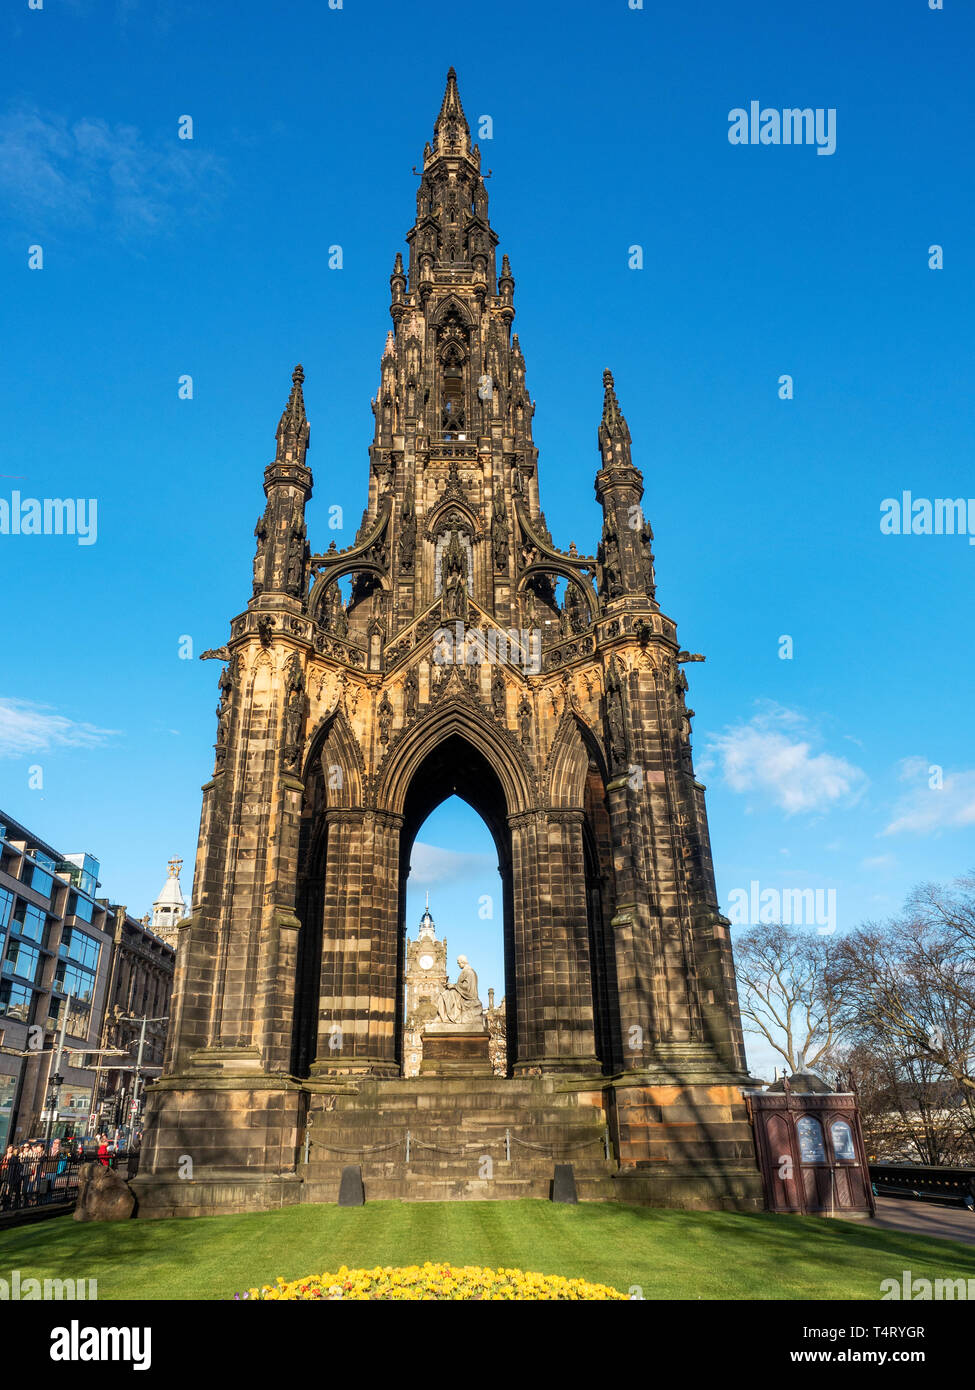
455,1049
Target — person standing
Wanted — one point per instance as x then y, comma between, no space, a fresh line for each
10,1178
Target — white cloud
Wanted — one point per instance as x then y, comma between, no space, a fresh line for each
431,864
27,728
88,172
773,754
924,810
879,861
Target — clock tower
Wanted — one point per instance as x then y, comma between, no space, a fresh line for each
426,975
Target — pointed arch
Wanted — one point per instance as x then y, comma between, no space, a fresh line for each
442,518
452,303
334,746
320,587
575,749
550,567
460,718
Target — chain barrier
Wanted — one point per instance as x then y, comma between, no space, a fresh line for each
552,1150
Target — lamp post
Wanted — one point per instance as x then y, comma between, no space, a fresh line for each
56,1081
137,1078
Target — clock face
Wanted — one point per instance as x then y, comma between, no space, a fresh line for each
426,962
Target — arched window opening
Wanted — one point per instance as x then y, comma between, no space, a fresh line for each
842,1136
455,845
453,413
453,908
812,1147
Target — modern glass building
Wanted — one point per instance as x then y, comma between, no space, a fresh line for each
56,942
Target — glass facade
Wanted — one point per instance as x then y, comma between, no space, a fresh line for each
83,869
71,979
50,915
6,900
39,879
29,921
80,948
79,906
16,1000
8,1090
74,1107
23,960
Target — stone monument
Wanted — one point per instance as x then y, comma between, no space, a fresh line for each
349,711
456,1042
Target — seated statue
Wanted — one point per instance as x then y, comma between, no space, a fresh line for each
459,1003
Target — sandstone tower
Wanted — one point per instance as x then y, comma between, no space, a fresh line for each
426,974
453,647
169,909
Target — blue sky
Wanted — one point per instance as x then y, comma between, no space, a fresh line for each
610,130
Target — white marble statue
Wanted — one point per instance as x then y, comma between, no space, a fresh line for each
459,1002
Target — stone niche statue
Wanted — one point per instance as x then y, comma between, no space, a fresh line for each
459,1003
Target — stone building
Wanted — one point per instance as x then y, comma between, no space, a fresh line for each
55,957
140,986
497,1021
170,907
65,952
426,975
473,655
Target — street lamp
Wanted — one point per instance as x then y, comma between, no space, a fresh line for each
53,1096
134,1107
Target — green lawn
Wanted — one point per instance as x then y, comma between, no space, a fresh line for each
669,1254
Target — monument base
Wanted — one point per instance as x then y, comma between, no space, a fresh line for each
455,1049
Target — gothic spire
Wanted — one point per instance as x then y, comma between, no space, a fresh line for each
451,133
281,558
613,428
625,558
293,431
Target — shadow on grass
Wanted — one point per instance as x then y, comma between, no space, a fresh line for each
668,1254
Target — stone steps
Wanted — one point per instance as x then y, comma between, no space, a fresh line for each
471,1115
525,1127
410,1186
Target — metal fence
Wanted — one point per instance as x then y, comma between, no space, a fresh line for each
52,1179
923,1182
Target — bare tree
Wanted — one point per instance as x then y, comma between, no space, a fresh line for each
911,982
909,1003
789,992
908,1111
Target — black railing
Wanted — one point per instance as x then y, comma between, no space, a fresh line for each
924,1182
51,1179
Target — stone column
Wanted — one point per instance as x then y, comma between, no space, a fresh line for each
277,958
632,930
357,1014
554,1001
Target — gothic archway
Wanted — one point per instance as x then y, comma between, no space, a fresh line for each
454,767
332,779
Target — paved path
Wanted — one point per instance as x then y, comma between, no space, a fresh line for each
925,1219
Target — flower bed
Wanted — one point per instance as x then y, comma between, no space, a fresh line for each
413,1283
